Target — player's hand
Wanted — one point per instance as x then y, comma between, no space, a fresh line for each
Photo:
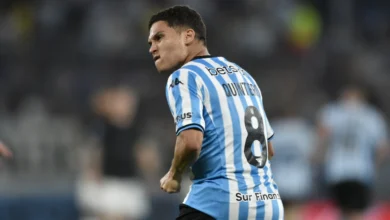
4,151
170,184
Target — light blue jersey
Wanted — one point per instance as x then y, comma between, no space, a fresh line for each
355,132
232,176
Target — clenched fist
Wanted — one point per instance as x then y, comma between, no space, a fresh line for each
170,184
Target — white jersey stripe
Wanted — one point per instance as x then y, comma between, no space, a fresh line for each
186,104
171,99
201,88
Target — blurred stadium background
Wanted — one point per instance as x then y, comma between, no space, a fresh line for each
83,108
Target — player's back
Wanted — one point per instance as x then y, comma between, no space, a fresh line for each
232,176
355,131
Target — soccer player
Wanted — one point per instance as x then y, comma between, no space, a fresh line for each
353,137
222,129
296,141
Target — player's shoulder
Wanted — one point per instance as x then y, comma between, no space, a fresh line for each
182,73
182,76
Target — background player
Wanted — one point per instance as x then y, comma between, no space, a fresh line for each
295,141
353,137
221,126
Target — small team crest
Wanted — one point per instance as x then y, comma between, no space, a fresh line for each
175,82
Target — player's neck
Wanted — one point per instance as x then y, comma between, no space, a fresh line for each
200,52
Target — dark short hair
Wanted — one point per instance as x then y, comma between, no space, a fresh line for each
182,16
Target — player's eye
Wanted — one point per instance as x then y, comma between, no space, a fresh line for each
159,37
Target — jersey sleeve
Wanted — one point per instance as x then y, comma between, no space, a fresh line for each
185,100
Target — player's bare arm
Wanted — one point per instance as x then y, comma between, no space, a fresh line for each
187,149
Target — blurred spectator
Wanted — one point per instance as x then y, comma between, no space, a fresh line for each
353,139
150,162
112,187
292,169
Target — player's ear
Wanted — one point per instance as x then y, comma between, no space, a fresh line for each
189,35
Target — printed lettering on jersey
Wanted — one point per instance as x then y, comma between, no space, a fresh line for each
240,89
183,116
222,70
256,197
175,82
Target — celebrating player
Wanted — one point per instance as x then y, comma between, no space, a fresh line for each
222,129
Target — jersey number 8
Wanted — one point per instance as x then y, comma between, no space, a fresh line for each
255,129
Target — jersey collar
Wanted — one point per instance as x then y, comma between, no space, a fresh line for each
202,57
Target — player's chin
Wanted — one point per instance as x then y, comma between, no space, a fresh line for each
159,66
163,70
